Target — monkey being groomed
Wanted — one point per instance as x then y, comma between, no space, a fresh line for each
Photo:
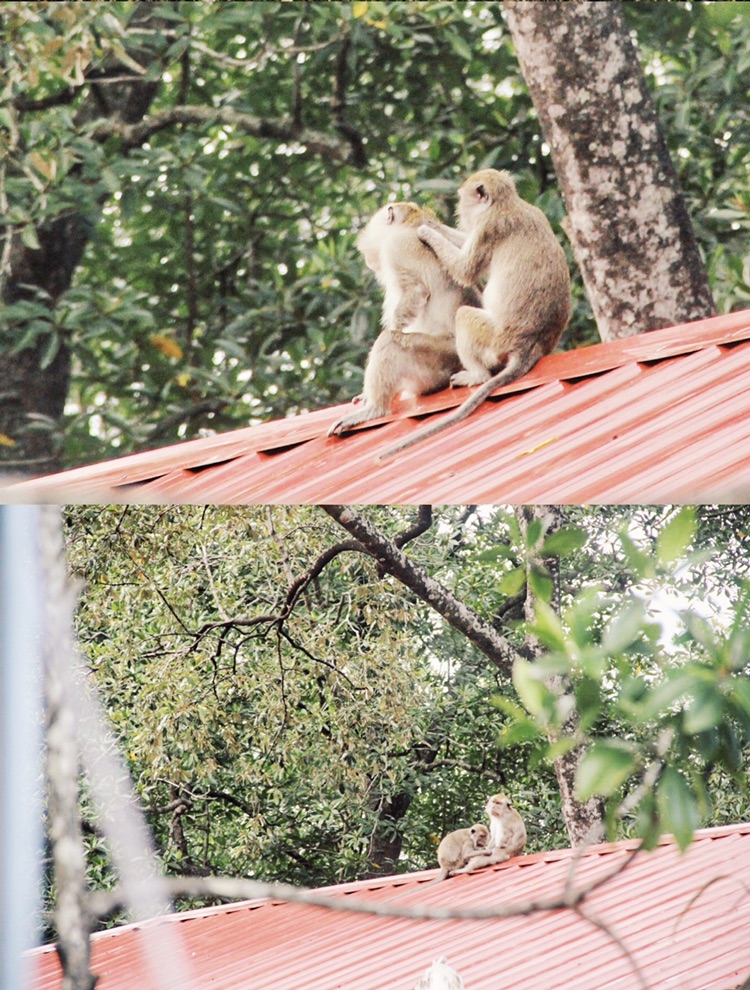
508,245
457,848
416,351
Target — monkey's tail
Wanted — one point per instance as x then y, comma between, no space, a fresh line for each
518,364
442,875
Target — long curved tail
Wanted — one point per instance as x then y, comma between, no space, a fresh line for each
518,364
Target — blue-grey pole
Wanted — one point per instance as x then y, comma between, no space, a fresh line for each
20,738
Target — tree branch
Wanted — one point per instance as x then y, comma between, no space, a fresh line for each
235,888
136,134
393,561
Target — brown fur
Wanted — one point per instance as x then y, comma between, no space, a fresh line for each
457,848
507,834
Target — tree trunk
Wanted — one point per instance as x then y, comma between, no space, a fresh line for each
627,218
582,819
33,389
387,839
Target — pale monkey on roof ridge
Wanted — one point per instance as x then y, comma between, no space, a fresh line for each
416,350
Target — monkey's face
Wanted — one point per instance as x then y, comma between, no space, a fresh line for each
497,805
390,218
480,834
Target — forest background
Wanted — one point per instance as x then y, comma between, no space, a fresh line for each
195,270
293,709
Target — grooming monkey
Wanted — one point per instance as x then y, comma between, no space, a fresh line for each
509,246
416,350
507,834
457,848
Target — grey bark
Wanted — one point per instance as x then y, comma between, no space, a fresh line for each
627,218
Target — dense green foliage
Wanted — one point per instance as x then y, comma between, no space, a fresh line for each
305,744
221,284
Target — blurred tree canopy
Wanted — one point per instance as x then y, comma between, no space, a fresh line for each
291,712
181,184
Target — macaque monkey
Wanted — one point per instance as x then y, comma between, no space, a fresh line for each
507,834
458,847
416,350
509,247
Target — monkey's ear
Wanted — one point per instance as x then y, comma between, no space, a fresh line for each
391,215
482,193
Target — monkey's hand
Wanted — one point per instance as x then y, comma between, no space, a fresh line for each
429,234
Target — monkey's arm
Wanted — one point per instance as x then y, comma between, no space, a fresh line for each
410,306
484,858
457,261
457,237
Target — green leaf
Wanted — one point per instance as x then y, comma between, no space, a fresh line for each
29,238
547,626
519,732
532,691
541,583
564,541
676,536
496,553
606,765
678,808
512,582
639,561
704,711
459,45
533,533
588,701
624,628
50,351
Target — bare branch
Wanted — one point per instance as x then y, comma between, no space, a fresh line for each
233,888
599,923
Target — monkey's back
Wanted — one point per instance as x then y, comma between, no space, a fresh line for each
528,291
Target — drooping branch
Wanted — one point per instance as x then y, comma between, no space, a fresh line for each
286,131
234,888
393,561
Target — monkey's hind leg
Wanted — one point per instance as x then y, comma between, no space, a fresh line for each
498,855
477,340
397,362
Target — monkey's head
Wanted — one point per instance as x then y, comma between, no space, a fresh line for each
391,218
480,834
481,192
497,805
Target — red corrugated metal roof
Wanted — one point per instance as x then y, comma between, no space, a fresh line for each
684,919
660,417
